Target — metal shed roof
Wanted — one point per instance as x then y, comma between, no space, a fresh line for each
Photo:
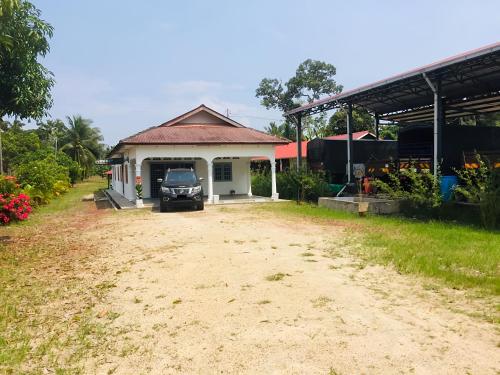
470,85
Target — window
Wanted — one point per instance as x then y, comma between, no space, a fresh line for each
126,174
223,172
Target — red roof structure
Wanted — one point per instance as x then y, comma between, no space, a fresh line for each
289,151
201,125
355,136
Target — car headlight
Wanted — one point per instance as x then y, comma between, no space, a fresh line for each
196,189
165,189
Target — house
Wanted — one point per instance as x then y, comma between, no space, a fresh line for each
287,153
218,148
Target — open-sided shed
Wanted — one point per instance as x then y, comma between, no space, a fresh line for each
465,84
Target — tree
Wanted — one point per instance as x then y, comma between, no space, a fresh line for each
312,80
362,120
316,127
17,142
82,142
283,130
25,83
51,131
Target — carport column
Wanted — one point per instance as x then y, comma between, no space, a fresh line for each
249,166
138,181
210,166
274,192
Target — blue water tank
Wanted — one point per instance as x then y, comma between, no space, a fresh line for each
447,185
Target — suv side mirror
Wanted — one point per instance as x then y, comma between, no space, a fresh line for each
159,180
200,179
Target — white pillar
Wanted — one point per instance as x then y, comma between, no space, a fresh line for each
249,166
210,166
138,180
274,194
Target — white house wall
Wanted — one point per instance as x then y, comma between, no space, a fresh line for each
207,153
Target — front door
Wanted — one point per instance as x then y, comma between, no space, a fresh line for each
158,170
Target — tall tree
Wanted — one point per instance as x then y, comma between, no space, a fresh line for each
312,80
362,120
82,142
25,83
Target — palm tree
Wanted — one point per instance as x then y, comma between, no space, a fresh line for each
82,142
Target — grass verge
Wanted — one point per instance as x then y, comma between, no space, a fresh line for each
463,257
46,322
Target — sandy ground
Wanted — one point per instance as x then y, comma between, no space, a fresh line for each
189,295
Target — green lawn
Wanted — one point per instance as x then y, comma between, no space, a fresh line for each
462,257
30,335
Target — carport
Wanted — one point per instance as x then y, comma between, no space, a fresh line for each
462,85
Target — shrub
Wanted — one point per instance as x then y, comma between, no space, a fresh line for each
14,207
45,178
418,189
312,185
8,184
490,201
472,182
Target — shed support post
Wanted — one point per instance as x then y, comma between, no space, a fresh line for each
377,121
210,170
350,178
299,142
438,128
438,122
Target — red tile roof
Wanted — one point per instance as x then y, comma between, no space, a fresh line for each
222,130
355,135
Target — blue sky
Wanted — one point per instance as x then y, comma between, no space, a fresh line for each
129,65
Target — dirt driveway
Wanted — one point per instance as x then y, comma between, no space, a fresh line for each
230,290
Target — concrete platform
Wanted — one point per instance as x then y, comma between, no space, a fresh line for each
351,204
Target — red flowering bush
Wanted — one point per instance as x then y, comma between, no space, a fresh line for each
14,205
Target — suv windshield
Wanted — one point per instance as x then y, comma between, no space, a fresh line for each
180,177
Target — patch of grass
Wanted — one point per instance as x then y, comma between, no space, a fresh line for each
32,333
276,277
137,300
460,256
176,301
321,301
307,254
263,302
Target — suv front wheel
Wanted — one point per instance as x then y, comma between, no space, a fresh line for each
163,207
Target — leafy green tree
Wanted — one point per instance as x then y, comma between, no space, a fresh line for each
388,131
312,80
25,83
316,127
362,120
82,142
17,142
284,130
51,131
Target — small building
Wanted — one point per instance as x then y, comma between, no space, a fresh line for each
286,154
218,148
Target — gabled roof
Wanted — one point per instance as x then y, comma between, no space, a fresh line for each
201,125
365,134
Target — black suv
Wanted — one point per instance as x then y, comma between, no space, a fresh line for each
180,187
